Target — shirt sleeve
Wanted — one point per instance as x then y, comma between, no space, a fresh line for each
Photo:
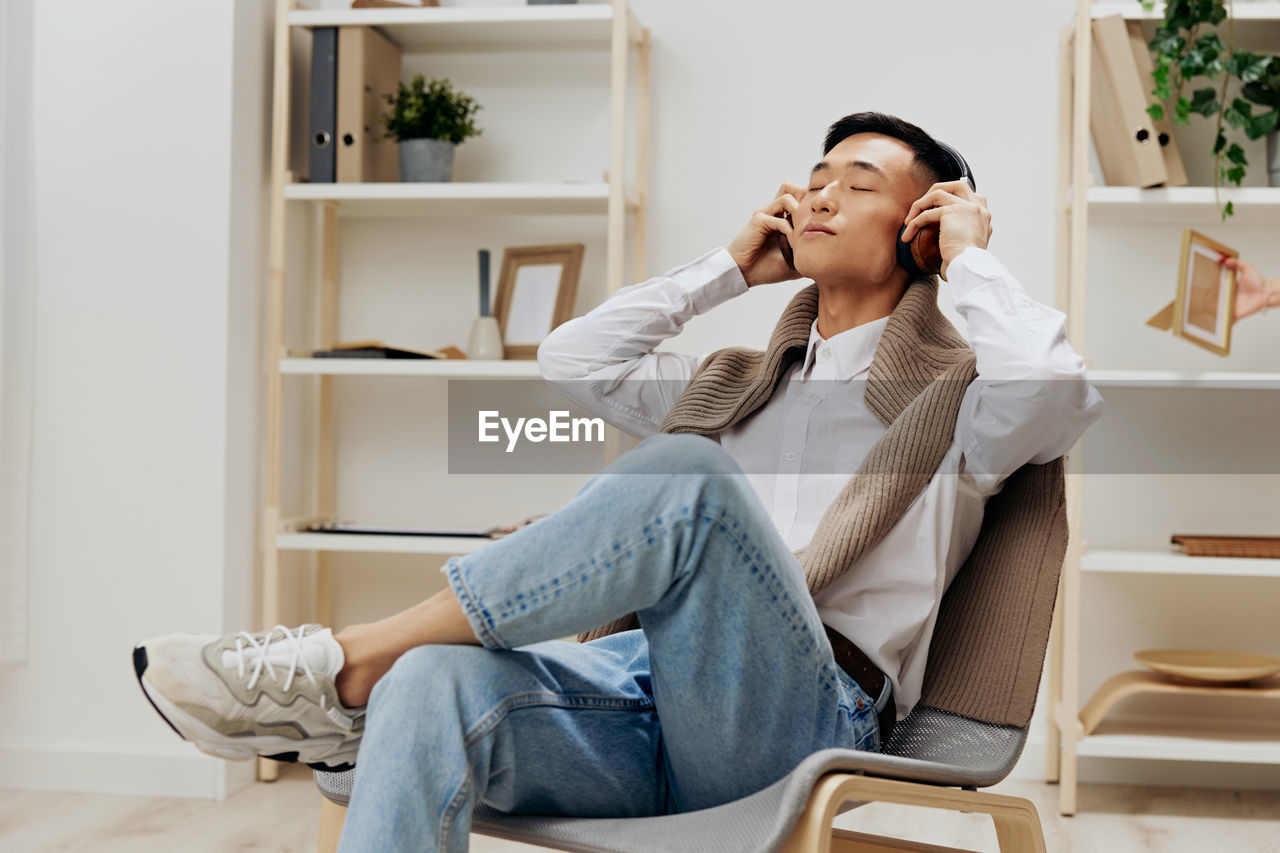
605,360
1031,401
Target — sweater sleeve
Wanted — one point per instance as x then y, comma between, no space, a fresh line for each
607,360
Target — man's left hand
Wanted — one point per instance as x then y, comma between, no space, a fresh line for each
960,214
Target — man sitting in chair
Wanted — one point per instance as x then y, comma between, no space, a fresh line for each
771,593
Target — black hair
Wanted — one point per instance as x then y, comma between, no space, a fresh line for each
929,155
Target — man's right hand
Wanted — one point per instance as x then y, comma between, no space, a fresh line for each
756,249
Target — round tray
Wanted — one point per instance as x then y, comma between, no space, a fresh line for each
1204,666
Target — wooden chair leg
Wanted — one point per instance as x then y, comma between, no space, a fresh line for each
1017,821
332,817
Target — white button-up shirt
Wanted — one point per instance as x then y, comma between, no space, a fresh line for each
1030,403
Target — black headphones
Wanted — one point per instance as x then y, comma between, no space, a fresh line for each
960,172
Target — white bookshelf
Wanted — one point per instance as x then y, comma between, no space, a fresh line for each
461,198
1181,379
534,35
459,29
379,544
1176,563
1083,206
461,368
1182,205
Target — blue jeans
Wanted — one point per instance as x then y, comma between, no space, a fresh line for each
726,687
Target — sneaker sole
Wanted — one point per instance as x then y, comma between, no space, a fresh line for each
317,753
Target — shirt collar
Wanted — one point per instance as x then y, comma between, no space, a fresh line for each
852,349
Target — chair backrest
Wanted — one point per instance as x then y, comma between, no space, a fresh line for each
989,642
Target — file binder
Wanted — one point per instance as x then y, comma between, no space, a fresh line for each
1177,173
324,85
368,69
1126,139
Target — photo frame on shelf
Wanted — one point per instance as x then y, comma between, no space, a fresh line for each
536,290
1205,306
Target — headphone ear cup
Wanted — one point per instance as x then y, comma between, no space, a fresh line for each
921,256
906,257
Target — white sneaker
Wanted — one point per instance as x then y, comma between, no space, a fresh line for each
244,695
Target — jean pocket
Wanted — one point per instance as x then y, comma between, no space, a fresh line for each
860,714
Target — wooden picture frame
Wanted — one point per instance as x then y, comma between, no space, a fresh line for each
533,297
1204,311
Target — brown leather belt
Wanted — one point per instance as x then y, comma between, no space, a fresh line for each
859,667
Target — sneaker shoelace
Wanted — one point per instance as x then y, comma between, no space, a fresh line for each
255,654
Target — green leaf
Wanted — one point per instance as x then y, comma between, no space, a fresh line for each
1236,155
1238,114
1220,142
1156,111
1253,67
1182,111
1235,174
1160,75
1229,210
1262,125
1260,94
1205,101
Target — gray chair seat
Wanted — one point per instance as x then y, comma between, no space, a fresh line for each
930,746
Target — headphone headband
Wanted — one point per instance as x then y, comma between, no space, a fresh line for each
960,166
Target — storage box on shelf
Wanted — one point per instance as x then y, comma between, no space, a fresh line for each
1077,728
619,200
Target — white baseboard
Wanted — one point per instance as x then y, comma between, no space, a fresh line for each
101,772
1174,774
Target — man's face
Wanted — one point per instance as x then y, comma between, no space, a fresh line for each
846,226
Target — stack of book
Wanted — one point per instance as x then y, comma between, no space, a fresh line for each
1133,149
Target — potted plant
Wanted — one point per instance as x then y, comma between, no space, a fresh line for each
1187,46
428,119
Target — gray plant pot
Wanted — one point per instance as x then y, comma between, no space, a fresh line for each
1273,158
426,160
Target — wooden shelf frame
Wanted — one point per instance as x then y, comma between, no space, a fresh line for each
1137,682
1081,205
620,199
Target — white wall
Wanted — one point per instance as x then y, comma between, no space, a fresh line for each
149,182
150,227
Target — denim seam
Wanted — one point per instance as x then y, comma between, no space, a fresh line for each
477,614
532,700
450,812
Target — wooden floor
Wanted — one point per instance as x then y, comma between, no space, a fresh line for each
281,817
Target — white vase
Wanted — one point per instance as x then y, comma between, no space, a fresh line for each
486,339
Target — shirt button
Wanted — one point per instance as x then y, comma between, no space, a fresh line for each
824,351
791,456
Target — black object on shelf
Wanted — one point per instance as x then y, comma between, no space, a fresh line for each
400,530
324,105
370,352
484,282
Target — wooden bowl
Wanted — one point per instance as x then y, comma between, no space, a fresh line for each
1205,666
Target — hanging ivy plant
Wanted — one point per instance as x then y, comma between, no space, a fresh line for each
1190,53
